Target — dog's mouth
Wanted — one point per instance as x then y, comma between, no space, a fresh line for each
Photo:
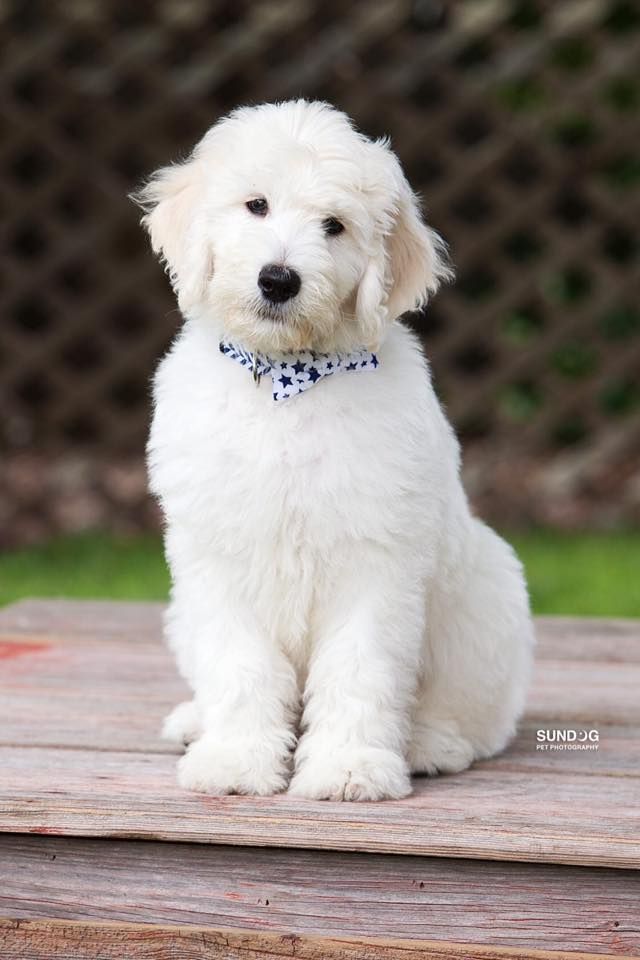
273,312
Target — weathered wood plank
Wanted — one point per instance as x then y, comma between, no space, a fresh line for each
45,679
332,895
66,940
609,640
612,640
582,691
515,816
82,704
82,618
618,754
109,694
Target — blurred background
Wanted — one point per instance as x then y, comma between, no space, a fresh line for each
517,121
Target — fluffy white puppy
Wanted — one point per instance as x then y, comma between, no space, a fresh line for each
341,617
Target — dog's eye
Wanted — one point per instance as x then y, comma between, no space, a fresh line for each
259,206
332,227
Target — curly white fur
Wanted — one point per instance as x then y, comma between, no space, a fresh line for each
341,617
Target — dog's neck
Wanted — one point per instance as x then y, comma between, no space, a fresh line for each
293,373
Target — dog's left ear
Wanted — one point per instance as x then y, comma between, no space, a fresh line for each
417,260
413,260
171,200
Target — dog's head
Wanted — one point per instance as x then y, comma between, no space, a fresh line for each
293,230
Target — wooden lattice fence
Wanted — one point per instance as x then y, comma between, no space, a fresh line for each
518,122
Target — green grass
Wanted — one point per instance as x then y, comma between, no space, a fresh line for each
588,574
95,566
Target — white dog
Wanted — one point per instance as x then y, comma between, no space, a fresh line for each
341,617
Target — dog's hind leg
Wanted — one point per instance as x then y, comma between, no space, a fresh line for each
438,747
478,656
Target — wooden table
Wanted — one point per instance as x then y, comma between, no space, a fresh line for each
102,855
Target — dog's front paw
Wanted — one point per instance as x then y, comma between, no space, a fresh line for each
183,724
364,773
218,767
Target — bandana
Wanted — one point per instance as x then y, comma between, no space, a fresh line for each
294,373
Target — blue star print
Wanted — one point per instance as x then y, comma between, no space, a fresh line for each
298,372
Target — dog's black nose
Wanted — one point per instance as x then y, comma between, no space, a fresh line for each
278,283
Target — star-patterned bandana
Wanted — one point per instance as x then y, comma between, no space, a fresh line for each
296,372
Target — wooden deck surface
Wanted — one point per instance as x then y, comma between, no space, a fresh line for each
83,688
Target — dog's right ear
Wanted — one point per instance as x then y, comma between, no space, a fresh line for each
171,200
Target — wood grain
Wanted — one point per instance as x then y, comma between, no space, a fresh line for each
65,940
565,638
567,818
104,693
83,688
309,895
90,619
110,647
588,638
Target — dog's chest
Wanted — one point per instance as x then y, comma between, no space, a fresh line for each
287,479
284,497
295,478
288,499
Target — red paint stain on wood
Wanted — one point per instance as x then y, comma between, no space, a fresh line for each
8,651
